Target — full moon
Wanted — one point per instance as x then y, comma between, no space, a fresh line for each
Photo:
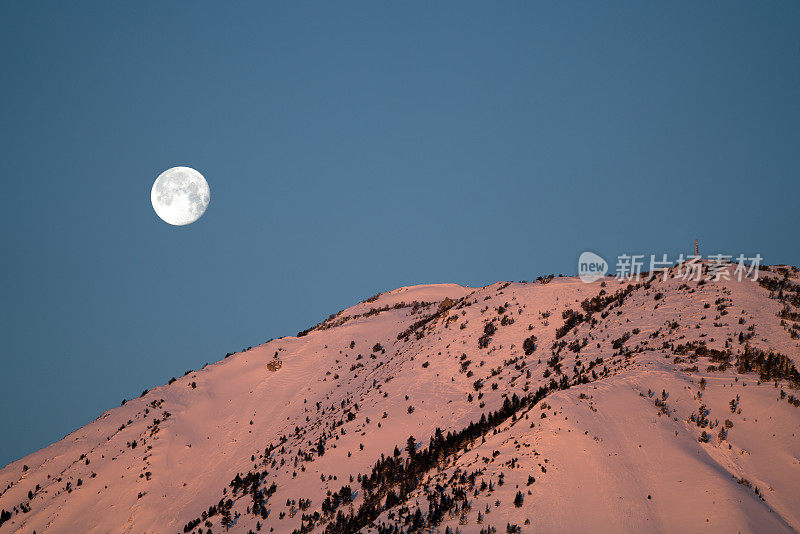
180,196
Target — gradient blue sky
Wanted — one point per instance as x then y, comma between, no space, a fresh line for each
353,148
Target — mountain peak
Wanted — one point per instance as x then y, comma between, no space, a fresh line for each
552,405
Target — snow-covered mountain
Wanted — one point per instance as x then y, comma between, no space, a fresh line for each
550,406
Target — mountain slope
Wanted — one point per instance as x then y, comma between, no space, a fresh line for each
594,400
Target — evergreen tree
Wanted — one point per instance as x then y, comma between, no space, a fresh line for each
411,446
226,520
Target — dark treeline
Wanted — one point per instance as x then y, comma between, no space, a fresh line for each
769,365
250,483
394,478
223,508
441,311
603,299
785,289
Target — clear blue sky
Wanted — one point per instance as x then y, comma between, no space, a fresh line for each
353,148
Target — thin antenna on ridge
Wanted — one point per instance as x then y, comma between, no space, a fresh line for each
696,247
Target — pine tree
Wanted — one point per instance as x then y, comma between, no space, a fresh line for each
5,516
411,446
226,520
417,522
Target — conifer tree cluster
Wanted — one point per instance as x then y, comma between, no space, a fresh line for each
769,365
393,479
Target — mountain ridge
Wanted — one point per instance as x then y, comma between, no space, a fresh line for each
307,413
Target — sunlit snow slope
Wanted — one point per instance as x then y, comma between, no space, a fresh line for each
550,406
